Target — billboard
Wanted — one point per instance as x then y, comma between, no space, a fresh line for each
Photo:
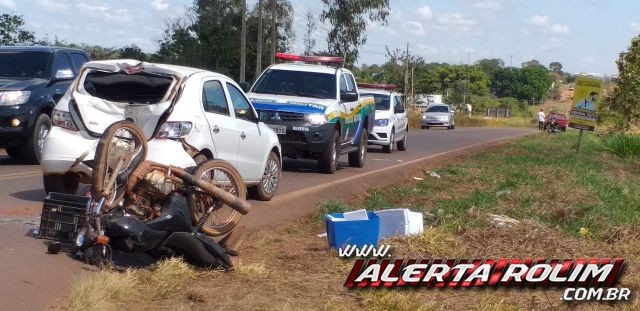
584,107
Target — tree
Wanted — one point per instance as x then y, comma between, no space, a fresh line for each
625,98
349,21
12,31
490,66
133,52
529,83
555,67
533,64
208,36
309,40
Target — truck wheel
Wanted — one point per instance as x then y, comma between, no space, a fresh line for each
14,151
389,148
328,162
357,158
62,183
270,179
33,149
402,145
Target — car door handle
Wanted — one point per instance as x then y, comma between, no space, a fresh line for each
243,135
216,129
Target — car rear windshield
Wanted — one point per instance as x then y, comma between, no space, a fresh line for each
139,88
20,64
296,83
438,109
382,101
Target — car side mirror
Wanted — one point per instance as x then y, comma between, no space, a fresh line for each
349,96
64,74
244,86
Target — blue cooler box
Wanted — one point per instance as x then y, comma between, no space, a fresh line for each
342,232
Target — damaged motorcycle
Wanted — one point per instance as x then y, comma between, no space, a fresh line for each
142,206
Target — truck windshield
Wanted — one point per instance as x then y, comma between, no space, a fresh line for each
438,109
20,64
382,101
297,83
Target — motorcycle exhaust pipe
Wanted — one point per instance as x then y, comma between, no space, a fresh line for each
238,204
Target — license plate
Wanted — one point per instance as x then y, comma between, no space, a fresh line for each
279,129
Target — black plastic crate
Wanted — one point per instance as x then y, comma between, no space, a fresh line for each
62,215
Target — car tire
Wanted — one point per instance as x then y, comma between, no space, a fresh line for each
14,151
389,148
33,149
328,161
62,183
402,145
423,127
270,179
357,158
453,127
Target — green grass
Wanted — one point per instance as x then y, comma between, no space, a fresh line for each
541,178
623,145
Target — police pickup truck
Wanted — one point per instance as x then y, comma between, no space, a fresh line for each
315,108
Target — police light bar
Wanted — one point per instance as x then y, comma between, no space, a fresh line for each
309,59
378,86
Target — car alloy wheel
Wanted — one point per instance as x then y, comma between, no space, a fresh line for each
270,176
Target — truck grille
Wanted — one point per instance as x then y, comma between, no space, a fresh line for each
292,137
266,115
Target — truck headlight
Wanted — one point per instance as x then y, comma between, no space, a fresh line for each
175,130
316,118
63,119
13,98
382,122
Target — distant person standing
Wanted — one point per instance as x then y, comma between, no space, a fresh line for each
469,110
541,120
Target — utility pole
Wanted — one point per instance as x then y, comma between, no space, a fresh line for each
259,46
274,30
511,62
413,95
243,42
406,75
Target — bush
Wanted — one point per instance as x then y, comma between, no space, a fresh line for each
623,145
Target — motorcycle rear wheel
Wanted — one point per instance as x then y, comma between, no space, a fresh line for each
223,218
121,139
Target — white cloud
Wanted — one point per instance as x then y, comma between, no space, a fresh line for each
7,4
544,23
52,5
538,20
425,12
105,12
455,23
428,49
415,28
560,29
635,26
486,4
159,5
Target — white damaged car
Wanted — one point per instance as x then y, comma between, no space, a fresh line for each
205,112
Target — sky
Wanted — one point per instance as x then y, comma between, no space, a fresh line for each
583,35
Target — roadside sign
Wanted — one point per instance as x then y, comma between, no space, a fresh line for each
585,104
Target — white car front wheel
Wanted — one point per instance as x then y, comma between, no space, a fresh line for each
270,178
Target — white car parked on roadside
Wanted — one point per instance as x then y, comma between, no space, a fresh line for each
206,112
391,126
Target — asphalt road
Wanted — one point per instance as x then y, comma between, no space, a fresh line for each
34,279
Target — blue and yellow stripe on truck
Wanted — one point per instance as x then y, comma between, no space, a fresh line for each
365,110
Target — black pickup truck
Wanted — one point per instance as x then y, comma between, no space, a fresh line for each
32,80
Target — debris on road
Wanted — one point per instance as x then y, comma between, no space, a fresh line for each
399,222
434,174
418,178
502,193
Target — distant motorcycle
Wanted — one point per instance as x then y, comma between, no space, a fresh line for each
553,127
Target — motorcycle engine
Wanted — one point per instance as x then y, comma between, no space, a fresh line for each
149,192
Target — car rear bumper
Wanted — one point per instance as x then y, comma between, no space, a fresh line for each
67,151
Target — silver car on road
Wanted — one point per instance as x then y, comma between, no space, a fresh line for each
438,115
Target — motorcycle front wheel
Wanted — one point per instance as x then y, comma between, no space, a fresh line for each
121,141
223,218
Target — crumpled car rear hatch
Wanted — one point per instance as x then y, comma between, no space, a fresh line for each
107,92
